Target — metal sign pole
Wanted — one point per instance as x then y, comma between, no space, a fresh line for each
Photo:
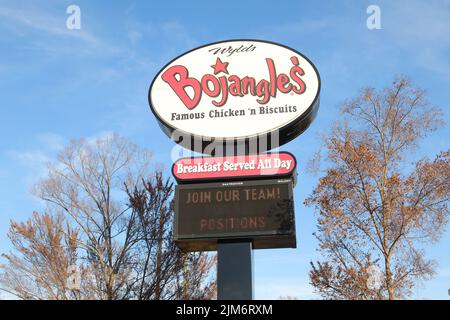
235,271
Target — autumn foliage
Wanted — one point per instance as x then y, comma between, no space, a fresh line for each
375,207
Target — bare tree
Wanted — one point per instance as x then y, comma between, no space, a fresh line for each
375,210
196,282
86,184
93,224
166,272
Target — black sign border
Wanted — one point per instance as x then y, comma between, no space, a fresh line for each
260,240
286,133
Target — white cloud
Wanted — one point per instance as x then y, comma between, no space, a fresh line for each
298,28
34,160
51,141
179,33
422,29
37,159
443,273
132,119
102,135
45,22
33,166
29,20
134,36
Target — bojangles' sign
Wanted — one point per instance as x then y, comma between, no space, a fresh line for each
237,98
236,90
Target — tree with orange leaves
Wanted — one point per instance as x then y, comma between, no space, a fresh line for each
375,211
45,247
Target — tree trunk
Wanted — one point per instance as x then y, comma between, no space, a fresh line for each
159,257
389,285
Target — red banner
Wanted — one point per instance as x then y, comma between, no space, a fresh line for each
240,167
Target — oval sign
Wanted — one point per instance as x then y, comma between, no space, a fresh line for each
237,90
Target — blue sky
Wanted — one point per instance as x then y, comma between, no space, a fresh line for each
57,84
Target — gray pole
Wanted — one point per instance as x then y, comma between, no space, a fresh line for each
235,271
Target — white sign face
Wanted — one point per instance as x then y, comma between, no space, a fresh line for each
238,89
